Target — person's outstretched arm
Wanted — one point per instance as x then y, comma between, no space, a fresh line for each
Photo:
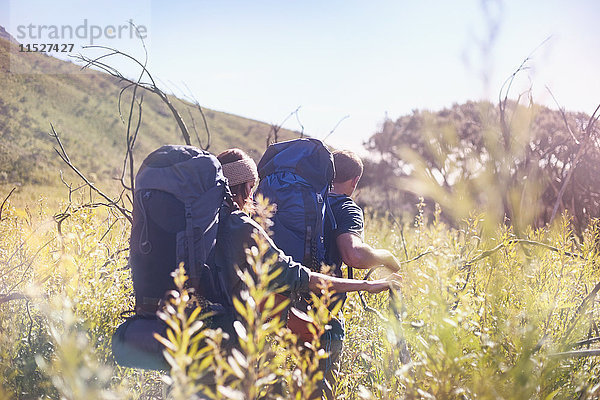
357,254
300,279
343,285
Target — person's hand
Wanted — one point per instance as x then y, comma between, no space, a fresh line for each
391,282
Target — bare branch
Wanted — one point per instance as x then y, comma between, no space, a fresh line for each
577,353
583,147
563,187
586,301
505,90
123,89
109,229
113,257
276,128
586,342
205,127
335,127
29,264
197,104
400,227
4,202
89,62
299,123
13,296
488,253
593,119
289,116
65,157
131,141
564,116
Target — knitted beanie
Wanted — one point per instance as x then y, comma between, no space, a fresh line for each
240,171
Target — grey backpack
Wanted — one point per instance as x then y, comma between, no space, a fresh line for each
179,192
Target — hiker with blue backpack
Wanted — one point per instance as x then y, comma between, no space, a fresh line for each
318,223
184,213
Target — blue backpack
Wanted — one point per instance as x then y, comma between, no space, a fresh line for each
179,193
296,175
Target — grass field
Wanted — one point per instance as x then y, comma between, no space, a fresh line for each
484,317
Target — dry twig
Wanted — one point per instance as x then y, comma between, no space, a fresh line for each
5,200
274,132
335,127
62,153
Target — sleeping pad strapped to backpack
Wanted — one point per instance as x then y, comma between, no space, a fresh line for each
179,191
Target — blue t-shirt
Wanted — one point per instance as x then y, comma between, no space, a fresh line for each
348,219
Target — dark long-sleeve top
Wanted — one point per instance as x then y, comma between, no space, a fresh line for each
234,237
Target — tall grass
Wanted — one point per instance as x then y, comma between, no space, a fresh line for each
484,316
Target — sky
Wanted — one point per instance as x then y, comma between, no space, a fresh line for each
357,62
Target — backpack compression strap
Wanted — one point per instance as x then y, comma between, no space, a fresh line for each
310,216
189,233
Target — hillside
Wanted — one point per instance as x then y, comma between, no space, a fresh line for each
83,107
6,36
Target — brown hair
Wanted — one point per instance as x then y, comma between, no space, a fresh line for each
240,194
348,165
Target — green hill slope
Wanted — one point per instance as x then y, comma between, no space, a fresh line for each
83,107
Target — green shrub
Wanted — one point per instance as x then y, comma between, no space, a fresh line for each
484,316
